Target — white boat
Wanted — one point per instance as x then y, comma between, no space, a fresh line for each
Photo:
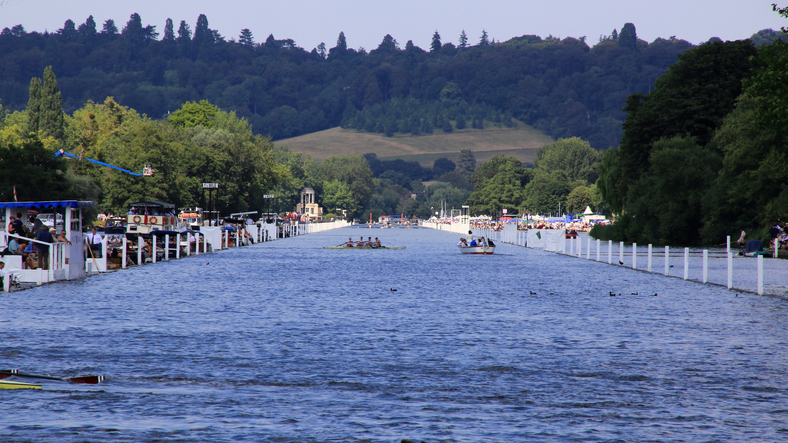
485,247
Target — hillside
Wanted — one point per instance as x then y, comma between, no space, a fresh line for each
521,142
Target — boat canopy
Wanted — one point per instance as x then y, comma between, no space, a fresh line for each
48,204
153,204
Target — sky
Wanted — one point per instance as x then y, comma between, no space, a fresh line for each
366,22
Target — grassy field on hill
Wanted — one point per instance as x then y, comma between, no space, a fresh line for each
521,142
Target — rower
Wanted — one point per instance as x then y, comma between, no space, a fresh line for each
349,242
360,243
369,242
376,243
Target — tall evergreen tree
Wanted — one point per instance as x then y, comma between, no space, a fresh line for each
628,39
52,120
34,105
483,41
87,29
246,38
463,40
109,28
466,162
202,33
69,31
184,32
436,42
169,31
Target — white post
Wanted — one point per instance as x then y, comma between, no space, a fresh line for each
621,252
634,255
597,249
730,270
760,275
204,244
153,247
610,252
776,247
226,239
728,244
667,260
178,247
166,247
140,245
686,263
196,244
579,246
649,258
123,262
588,249
705,266
237,238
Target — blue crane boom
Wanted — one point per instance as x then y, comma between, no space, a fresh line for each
147,171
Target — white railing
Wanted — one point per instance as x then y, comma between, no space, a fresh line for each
57,258
718,266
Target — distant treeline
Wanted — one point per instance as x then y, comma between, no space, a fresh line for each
561,86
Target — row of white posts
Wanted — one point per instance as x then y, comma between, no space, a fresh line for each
517,237
259,233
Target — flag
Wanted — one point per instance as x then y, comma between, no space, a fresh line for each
15,194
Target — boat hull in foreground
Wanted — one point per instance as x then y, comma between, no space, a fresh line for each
7,384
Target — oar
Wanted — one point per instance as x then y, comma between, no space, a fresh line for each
88,379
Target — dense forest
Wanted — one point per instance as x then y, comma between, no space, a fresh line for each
561,86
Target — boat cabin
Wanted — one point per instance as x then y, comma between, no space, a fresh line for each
191,217
148,216
66,260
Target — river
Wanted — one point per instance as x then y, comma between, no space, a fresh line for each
286,341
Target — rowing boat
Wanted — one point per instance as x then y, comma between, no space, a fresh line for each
7,384
363,247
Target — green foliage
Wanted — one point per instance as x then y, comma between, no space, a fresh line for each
691,99
354,172
499,184
573,156
466,162
32,168
194,114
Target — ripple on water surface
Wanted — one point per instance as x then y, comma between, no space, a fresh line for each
286,341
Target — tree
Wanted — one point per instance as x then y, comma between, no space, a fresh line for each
353,171
441,166
463,43
69,30
52,119
194,114
184,33
34,105
246,38
573,155
483,41
31,167
466,162
628,38
169,31
337,195
88,29
202,33
109,28
436,42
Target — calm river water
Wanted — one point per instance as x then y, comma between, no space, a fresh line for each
286,341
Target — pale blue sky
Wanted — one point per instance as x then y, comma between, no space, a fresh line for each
365,22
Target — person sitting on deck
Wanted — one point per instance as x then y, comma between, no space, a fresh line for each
473,242
462,243
376,243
